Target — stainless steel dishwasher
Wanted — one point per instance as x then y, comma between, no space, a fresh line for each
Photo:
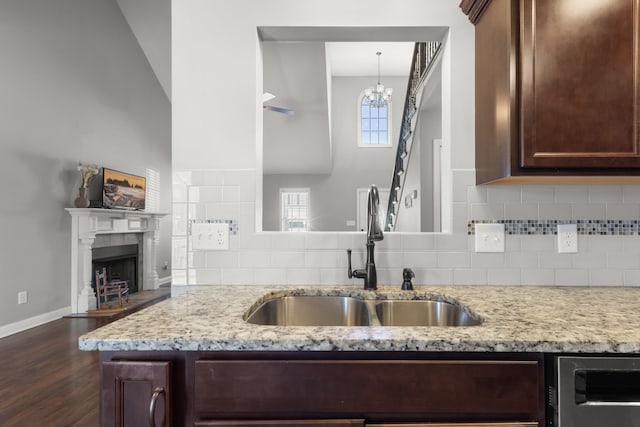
593,391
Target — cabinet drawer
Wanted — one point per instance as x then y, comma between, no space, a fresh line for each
375,390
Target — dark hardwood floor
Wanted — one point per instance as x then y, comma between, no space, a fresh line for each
45,380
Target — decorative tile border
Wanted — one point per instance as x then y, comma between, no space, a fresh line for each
599,227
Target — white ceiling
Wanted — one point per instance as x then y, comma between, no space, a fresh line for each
359,58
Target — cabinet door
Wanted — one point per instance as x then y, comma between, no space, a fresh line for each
456,425
135,394
578,83
287,423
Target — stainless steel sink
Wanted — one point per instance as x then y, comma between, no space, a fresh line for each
422,313
311,311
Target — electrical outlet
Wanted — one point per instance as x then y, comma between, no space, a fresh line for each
22,297
210,236
489,237
567,238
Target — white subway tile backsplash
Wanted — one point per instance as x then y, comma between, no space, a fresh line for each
567,277
452,242
555,211
605,277
205,277
605,194
287,259
589,210
254,259
602,244
571,194
622,211
437,259
631,193
622,260
321,241
335,276
477,194
179,193
504,194
231,194
486,211
631,244
269,276
538,243
237,276
554,260
389,276
506,277
423,242
221,210
521,211
469,276
537,277
434,276
587,260
321,259
387,259
631,277
525,260
416,260
303,276
537,194
487,260
222,259
287,241
454,260
389,242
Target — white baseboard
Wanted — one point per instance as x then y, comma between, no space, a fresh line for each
164,280
32,322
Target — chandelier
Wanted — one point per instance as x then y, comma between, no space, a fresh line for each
378,95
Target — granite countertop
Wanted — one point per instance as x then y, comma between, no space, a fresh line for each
515,319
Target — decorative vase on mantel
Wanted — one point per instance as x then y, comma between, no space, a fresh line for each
81,201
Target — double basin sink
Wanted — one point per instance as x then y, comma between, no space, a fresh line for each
322,310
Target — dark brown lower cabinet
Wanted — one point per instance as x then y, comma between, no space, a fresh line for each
287,423
336,389
136,394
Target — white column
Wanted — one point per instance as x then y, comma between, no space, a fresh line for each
150,247
86,296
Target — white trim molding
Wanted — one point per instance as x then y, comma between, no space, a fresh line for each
32,322
164,280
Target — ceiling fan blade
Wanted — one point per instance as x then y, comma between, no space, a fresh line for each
279,109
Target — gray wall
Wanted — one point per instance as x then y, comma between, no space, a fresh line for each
333,196
75,86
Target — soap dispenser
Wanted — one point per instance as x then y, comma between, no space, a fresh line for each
407,275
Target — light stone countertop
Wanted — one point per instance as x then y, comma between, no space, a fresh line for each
515,319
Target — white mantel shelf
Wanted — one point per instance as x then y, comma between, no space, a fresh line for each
89,222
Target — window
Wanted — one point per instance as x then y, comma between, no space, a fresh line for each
374,124
294,209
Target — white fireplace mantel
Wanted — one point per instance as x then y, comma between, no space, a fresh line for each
86,224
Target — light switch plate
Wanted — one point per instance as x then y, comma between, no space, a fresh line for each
567,238
489,237
210,236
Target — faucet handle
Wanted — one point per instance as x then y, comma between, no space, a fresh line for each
349,271
407,275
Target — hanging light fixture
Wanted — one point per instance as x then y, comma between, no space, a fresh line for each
378,95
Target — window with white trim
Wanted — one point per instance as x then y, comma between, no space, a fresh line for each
294,209
374,123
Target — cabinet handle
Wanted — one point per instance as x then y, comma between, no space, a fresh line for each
152,405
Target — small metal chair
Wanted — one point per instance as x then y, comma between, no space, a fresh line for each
106,288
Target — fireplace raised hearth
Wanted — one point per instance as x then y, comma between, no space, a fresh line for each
94,232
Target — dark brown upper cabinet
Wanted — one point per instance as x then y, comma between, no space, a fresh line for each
557,90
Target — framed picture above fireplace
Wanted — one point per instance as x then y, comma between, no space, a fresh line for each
122,190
